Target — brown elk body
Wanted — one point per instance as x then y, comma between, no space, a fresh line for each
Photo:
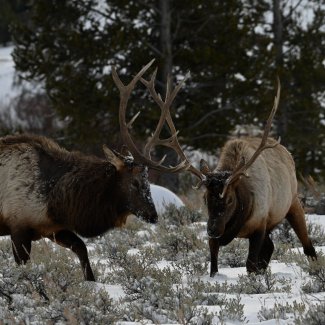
49,192
250,205
253,205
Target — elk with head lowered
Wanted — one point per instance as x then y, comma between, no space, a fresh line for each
49,192
252,190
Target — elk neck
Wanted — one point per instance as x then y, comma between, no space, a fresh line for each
243,210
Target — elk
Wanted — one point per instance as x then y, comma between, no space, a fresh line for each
49,192
252,190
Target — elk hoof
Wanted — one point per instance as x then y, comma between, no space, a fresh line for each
213,273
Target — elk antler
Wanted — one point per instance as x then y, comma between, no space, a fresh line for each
171,142
243,166
311,186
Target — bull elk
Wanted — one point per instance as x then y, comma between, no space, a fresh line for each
49,192
252,190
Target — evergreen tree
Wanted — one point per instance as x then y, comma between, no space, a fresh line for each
10,11
299,50
74,42
228,46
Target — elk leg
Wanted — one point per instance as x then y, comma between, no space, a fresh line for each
255,245
70,240
214,251
266,252
21,241
296,219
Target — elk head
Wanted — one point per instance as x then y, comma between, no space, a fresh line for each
133,186
143,160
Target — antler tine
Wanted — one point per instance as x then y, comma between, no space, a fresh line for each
311,185
132,120
125,92
165,107
154,140
243,166
172,141
177,88
122,88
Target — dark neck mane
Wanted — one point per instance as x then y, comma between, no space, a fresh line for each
242,212
85,199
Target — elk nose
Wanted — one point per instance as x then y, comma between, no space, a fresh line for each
212,234
148,217
215,229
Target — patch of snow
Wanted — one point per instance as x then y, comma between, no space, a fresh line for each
163,197
316,218
8,89
7,71
115,291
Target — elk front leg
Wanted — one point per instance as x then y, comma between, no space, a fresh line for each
214,251
21,241
255,246
266,252
70,240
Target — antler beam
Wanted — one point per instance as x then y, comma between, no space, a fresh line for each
171,142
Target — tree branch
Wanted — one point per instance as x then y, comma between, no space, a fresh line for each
155,49
213,112
285,18
204,136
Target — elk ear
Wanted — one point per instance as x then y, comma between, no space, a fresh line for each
112,158
204,168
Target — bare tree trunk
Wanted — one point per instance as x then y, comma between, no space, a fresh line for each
282,124
168,180
165,40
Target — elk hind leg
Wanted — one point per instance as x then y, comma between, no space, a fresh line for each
296,219
70,240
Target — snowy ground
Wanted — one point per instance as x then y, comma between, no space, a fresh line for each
128,273
253,303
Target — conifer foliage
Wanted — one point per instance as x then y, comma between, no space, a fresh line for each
233,49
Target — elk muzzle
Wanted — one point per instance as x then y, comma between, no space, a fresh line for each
216,228
153,218
149,215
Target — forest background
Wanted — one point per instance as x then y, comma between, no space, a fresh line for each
233,49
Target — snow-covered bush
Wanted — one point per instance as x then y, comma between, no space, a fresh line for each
234,254
316,270
282,311
232,310
314,316
260,283
50,288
